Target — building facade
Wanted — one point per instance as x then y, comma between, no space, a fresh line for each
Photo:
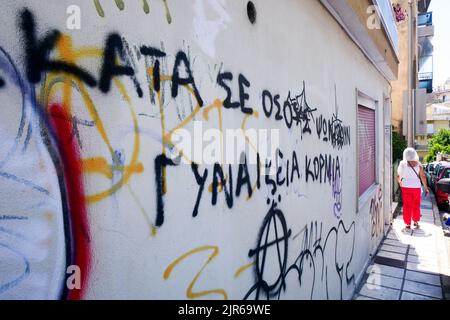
412,90
102,198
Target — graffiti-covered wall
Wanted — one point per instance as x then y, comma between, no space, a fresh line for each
115,167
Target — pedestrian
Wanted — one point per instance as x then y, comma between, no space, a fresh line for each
411,177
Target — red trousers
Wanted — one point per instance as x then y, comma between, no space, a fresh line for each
411,204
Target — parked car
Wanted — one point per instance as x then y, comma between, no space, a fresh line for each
435,173
428,170
442,189
444,185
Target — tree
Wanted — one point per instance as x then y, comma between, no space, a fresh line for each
398,145
439,143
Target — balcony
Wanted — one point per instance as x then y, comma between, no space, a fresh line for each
425,19
425,25
427,85
425,51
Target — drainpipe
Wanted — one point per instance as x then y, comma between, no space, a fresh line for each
410,135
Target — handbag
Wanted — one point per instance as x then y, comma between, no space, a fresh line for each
421,183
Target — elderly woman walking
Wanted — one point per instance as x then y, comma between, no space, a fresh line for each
410,177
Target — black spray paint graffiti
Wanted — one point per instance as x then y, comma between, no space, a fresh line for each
116,62
296,111
333,131
243,95
219,182
38,51
318,261
376,213
323,169
114,48
286,171
38,62
275,221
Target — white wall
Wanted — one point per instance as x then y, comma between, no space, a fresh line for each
123,253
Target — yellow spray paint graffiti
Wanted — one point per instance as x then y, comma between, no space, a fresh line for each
145,6
97,164
189,292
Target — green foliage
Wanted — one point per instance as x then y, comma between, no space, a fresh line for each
439,143
398,145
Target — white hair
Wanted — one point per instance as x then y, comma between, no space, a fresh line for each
410,154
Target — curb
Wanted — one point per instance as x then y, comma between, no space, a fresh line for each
445,280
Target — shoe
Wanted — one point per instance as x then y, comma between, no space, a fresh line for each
408,226
416,224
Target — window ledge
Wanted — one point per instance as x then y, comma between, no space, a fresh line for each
367,195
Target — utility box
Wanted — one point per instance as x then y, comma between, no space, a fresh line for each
420,114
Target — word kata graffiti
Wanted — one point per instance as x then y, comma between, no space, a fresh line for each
121,6
38,62
376,213
296,111
320,259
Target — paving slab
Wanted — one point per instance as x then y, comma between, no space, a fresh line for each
379,292
391,255
413,296
389,248
361,297
423,277
395,243
423,267
385,281
423,289
386,270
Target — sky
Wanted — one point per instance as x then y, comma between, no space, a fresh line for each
441,41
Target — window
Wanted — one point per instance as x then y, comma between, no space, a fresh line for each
367,148
446,173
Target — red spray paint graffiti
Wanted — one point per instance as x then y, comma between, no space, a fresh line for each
69,152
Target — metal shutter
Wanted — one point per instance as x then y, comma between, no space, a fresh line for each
367,151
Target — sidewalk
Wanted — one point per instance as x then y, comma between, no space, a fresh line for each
410,264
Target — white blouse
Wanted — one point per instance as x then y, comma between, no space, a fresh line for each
408,177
